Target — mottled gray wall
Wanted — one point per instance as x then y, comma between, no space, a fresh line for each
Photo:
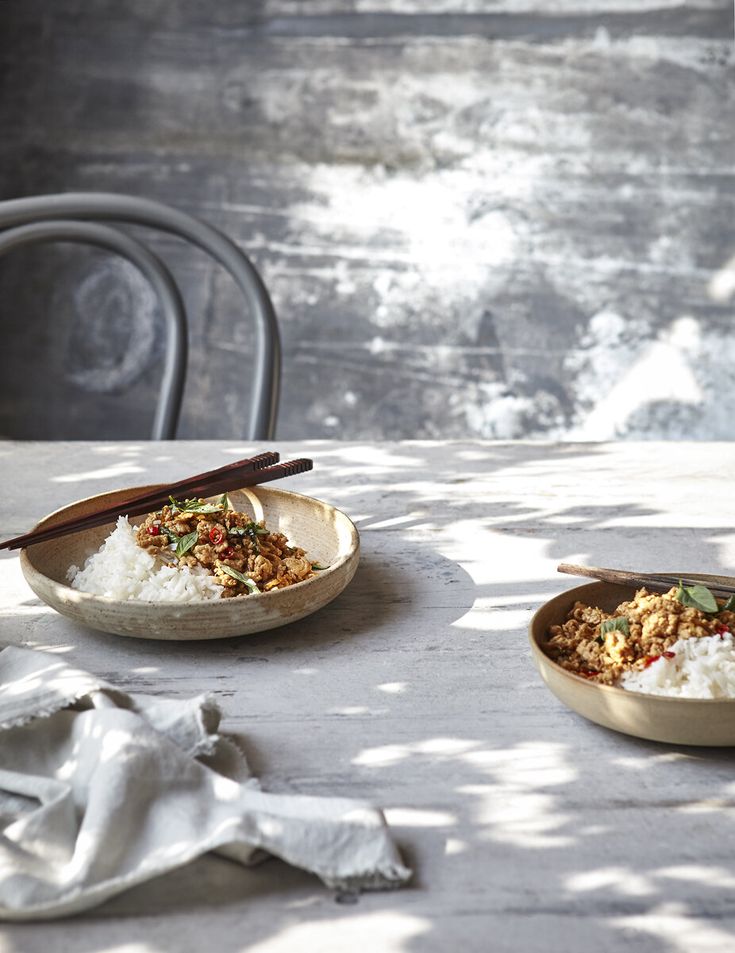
491,219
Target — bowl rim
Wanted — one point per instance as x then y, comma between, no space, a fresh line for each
80,596
578,680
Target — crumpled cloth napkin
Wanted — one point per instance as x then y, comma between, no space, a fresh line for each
101,790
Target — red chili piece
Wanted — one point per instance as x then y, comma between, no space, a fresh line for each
722,630
229,552
216,535
650,659
154,530
669,654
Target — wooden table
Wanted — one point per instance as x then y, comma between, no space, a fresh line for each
529,828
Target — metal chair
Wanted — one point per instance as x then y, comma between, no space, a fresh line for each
76,217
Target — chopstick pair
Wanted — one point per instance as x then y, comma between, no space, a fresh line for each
250,472
659,582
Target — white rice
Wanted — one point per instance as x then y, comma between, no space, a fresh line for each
701,668
122,570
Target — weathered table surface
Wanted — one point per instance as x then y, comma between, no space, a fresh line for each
529,828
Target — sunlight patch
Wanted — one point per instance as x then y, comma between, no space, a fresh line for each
719,878
524,819
494,620
115,470
529,765
622,880
385,930
454,846
678,927
708,806
393,688
418,817
432,747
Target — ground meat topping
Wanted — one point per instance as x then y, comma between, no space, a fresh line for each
225,542
654,622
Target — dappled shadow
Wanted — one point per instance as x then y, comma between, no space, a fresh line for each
414,689
208,883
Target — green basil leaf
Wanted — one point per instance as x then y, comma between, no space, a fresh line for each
185,543
256,529
729,605
195,506
317,568
171,536
224,503
698,597
252,531
618,624
246,580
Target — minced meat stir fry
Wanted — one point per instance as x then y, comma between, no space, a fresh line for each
243,556
601,646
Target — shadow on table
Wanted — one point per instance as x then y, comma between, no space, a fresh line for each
515,823
528,828
382,594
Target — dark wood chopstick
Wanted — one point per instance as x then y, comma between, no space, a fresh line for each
242,473
191,486
149,500
658,582
266,475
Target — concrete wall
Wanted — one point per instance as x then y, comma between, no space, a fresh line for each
485,219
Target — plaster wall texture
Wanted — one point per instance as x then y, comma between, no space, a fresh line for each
477,219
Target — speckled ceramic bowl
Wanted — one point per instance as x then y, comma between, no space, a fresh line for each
325,533
682,721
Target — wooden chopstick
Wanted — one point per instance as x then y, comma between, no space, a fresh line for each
249,472
144,502
277,472
191,486
659,582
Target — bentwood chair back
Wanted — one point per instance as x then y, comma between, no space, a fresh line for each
79,217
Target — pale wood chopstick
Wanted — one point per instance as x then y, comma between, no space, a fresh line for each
659,582
214,482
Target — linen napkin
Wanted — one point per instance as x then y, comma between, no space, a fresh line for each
101,790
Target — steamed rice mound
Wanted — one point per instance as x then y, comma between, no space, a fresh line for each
700,668
122,570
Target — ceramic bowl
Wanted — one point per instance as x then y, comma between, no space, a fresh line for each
326,534
682,721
